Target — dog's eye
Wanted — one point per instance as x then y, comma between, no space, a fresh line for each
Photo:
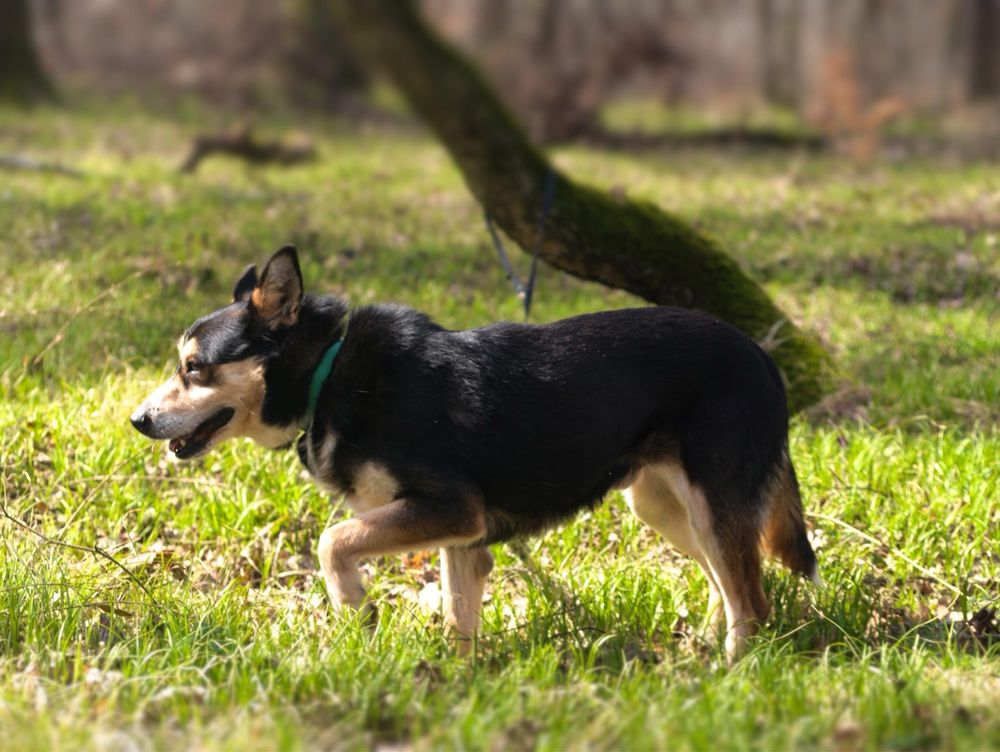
193,365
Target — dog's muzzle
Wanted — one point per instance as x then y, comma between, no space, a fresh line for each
142,422
187,439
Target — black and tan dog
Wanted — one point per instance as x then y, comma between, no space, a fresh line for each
460,439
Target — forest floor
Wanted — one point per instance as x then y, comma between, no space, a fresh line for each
219,635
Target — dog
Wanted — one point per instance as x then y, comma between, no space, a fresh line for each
460,439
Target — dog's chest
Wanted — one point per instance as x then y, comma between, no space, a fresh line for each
367,485
317,455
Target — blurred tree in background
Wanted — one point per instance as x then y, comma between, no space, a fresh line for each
22,77
984,58
318,70
556,63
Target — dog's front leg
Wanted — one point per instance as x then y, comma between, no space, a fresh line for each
401,525
463,580
340,570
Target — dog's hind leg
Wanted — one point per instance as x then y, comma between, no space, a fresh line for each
401,525
731,550
651,499
463,580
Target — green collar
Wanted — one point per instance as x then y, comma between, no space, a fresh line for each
320,375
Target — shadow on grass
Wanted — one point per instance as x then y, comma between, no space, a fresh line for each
908,262
848,619
736,137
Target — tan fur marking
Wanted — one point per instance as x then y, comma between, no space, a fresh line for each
242,382
373,486
276,295
239,385
651,499
663,497
186,348
784,521
320,462
257,298
736,586
463,581
393,528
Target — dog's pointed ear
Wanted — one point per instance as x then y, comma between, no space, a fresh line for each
245,286
276,298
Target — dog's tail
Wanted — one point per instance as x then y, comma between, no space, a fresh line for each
785,530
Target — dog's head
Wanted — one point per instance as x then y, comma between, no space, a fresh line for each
244,369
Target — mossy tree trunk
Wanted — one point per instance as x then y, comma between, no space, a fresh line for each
624,244
22,78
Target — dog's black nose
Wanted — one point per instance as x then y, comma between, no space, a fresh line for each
142,422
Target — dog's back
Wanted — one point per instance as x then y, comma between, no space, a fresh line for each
544,420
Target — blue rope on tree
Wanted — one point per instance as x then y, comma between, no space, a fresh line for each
525,290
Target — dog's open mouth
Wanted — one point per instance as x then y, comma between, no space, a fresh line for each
184,447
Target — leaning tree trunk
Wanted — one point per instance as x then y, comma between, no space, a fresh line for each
625,244
22,78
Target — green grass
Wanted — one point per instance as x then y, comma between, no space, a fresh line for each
221,637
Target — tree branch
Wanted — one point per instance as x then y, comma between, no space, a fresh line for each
630,245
